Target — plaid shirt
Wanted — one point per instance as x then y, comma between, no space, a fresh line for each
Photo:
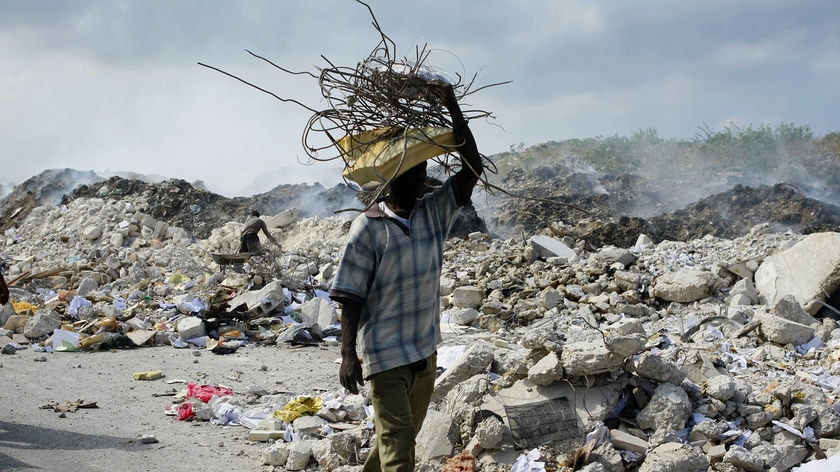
395,273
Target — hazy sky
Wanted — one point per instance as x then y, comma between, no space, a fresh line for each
110,85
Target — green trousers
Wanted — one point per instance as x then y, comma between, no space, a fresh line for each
400,398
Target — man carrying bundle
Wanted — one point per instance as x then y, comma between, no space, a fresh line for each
388,282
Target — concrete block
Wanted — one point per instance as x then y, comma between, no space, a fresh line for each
477,358
545,247
318,313
628,442
260,302
783,331
161,227
716,453
743,458
547,371
190,327
684,286
807,271
437,437
467,297
284,218
262,435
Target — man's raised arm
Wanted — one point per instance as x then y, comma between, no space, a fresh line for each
471,165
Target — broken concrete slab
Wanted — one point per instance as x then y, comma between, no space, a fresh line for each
475,359
437,437
260,302
318,313
809,271
675,456
684,286
142,337
594,406
191,327
545,247
547,370
588,358
467,296
628,442
654,366
669,408
783,331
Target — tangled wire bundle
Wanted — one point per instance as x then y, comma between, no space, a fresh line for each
383,93
384,100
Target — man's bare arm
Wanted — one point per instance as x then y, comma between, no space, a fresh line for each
268,235
471,165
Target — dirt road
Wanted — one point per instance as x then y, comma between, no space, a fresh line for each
108,437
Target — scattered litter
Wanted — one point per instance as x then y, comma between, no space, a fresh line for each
529,462
69,406
298,407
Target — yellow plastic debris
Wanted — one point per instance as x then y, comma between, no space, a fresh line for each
23,306
178,278
148,375
375,158
299,407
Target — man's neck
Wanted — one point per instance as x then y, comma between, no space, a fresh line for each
402,209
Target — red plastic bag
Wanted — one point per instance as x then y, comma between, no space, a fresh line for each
185,411
206,392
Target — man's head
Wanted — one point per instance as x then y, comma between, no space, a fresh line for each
409,185
255,213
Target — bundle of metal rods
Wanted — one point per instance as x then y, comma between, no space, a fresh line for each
381,91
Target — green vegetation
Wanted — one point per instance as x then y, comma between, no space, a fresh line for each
788,152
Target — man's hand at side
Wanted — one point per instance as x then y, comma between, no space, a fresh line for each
350,373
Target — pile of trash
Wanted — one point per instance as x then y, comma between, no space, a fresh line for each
613,209
706,354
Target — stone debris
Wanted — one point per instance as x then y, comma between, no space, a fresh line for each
710,354
69,406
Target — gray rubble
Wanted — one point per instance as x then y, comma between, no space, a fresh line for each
710,354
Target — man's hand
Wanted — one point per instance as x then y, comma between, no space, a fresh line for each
447,96
350,373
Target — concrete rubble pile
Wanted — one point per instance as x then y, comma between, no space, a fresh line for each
709,354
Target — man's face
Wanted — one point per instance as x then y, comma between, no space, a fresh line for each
412,183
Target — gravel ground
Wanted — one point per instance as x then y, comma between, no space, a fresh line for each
108,437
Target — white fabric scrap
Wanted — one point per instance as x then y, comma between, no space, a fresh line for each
788,428
598,435
76,303
334,400
529,462
831,464
226,414
447,354
807,433
291,434
250,418
812,345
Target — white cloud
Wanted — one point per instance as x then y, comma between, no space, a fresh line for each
101,84
747,54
